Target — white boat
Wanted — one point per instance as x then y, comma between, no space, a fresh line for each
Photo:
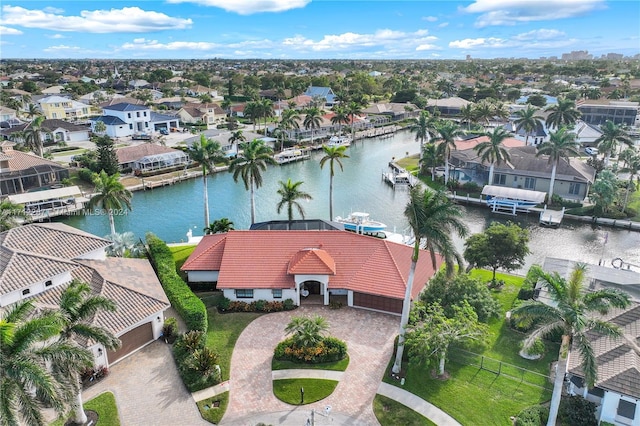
341,140
360,223
291,154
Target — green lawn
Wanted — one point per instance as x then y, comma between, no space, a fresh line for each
211,413
180,254
288,390
287,365
392,413
410,163
634,203
103,404
471,393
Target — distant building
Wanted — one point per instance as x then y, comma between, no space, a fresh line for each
600,111
324,92
64,108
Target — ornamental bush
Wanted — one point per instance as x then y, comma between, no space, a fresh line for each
196,363
226,305
329,349
536,415
188,305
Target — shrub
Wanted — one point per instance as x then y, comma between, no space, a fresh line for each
289,305
195,362
188,305
577,411
528,285
471,187
536,415
537,348
631,212
85,175
329,349
223,303
170,328
259,305
226,305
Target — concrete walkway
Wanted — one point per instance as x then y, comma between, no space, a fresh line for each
305,373
417,404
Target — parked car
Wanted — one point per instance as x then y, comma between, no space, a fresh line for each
164,132
591,151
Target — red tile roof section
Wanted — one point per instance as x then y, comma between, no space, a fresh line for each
260,259
312,262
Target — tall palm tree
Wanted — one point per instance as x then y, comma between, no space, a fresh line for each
493,151
571,313
353,108
207,152
249,165
432,218
467,115
290,193
332,154
236,138
612,136
219,226
290,119
563,113
312,120
265,107
77,309
340,117
252,111
33,135
430,158
484,111
111,196
425,128
11,215
633,165
29,343
447,133
561,145
528,120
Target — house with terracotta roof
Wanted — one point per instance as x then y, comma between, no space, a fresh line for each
38,261
368,272
149,157
23,171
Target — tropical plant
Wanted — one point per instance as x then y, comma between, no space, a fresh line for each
125,244
425,128
570,313
353,109
340,117
493,151
77,309
99,127
333,154
430,158
236,138
107,157
561,144
562,114
432,218
111,196
207,152
633,165
11,215
249,165
32,135
29,343
312,120
604,191
219,226
528,120
307,331
467,115
447,133
290,193
612,136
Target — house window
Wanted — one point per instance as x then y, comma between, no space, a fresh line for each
55,115
244,294
48,283
129,115
499,179
144,113
138,114
626,409
130,126
574,188
26,291
529,183
276,293
146,124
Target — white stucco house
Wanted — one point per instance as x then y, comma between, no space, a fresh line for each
40,260
125,119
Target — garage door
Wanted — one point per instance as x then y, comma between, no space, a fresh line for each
379,303
131,341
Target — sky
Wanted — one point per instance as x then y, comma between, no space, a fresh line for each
316,29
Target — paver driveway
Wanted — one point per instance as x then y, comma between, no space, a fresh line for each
369,337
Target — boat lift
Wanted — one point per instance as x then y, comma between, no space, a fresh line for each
507,200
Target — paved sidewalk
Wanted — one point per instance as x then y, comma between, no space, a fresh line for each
417,404
305,373
210,392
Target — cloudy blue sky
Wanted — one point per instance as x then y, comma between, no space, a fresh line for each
370,29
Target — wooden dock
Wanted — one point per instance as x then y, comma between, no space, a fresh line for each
551,218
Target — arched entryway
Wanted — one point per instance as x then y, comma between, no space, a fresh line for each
312,292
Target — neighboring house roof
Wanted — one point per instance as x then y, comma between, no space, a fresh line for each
355,262
452,102
109,120
394,108
465,144
136,152
524,159
54,99
618,359
325,92
586,131
19,160
125,107
121,100
54,124
156,117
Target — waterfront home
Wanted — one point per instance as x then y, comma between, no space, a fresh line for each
125,119
322,92
21,171
53,131
526,171
63,108
603,110
209,114
447,107
309,266
42,259
149,158
394,111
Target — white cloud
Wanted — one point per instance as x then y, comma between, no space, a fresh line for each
430,18
9,31
144,44
536,39
444,24
248,7
511,12
55,10
62,47
127,19
346,41
56,36
541,34
427,47
469,43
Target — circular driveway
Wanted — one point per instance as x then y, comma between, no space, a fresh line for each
369,337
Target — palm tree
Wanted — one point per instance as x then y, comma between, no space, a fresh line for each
467,115
430,158
447,133
340,117
425,128
564,113
307,332
561,144
290,193
570,313
432,218
11,215
111,196
252,111
493,151
612,136
219,226
265,108
236,138
527,120
353,109
78,307
483,111
333,154
249,165
32,111
207,152
33,135
29,343
633,164
312,120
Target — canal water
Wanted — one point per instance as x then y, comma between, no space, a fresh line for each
171,211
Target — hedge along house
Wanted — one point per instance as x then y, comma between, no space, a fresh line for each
307,266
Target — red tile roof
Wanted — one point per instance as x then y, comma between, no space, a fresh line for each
269,259
461,145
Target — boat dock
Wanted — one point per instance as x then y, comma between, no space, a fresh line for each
291,155
401,179
43,205
551,218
